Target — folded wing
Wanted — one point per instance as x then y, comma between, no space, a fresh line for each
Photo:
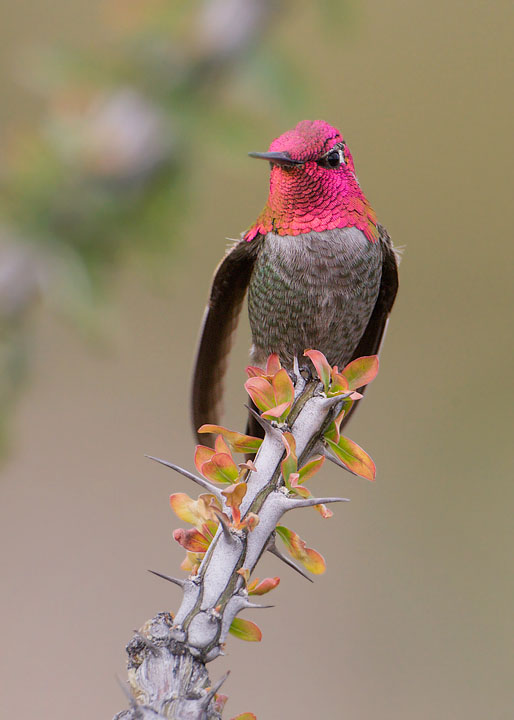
220,320
373,335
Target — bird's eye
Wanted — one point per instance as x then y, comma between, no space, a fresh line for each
332,159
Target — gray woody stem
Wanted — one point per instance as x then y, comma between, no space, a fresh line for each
167,657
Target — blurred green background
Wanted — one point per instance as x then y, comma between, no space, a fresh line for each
124,132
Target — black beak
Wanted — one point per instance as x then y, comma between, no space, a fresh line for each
277,158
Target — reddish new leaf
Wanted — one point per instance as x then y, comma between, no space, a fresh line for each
245,574
220,446
250,521
261,392
263,587
273,365
202,455
322,366
279,412
295,486
253,371
324,511
192,540
234,496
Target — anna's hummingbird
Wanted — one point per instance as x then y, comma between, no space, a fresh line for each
320,271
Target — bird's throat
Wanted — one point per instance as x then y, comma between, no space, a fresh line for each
301,202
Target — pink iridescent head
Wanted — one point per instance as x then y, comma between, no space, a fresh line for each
312,185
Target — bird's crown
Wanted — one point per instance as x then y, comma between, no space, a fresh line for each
308,141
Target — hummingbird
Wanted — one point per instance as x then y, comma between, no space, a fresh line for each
319,270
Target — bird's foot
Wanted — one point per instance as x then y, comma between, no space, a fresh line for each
306,372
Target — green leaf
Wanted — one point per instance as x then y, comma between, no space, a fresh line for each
245,630
283,387
220,468
311,559
338,385
236,441
311,468
279,412
362,371
290,462
195,512
333,431
353,457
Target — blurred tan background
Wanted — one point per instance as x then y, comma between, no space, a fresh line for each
413,618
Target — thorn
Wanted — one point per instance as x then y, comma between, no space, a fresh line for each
224,525
333,458
176,581
275,551
198,480
154,649
265,424
331,401
309,502
255,606
138,715
214,689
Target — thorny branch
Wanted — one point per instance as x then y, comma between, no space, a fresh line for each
167,658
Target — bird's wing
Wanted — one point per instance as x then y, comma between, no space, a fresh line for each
371,340
220,320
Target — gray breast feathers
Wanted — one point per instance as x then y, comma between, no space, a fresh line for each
315,290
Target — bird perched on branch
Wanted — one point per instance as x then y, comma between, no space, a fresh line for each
319,270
